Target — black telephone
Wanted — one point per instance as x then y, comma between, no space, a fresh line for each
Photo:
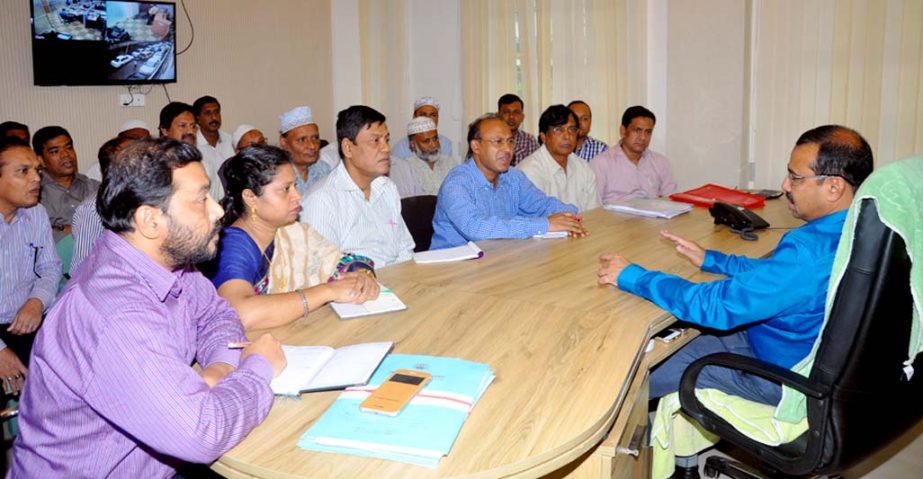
738,219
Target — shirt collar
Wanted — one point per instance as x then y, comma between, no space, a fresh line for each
344,182
480,180
158,279
49,181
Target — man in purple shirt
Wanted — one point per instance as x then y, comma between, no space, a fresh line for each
111,390
630,169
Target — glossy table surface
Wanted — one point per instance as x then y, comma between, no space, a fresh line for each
563,348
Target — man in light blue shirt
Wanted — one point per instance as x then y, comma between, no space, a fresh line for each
483,198
774,306
30,269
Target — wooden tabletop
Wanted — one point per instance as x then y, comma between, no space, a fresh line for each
563,348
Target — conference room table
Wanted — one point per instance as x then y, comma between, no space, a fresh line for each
569,355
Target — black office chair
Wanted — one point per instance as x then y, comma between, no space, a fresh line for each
858,397
417,212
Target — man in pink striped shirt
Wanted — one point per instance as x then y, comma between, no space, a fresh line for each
630,169
111,390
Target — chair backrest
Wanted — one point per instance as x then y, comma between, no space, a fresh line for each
861,354
65,248
418,212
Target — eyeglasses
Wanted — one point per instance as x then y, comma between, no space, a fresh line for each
498,142
795,177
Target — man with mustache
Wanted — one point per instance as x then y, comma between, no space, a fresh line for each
112,391
423,172
630,169
357,207
31,268
425,106
177,121
300,137
63,188
555,168
771,308
215,145
483,198
510,109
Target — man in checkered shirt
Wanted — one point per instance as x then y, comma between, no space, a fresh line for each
509,107
587,146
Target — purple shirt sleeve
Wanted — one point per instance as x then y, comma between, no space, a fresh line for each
136,376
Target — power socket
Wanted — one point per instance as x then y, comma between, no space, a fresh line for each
126,99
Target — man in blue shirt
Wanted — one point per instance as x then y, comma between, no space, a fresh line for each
483,198
772,308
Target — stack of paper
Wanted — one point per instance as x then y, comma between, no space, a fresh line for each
318,368
650,207
468,250
423,432
551,235
386,302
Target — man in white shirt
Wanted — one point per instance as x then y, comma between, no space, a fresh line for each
357,207
214,144
246,136
425,106
554,168
422,173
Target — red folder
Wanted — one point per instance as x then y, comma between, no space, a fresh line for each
707,195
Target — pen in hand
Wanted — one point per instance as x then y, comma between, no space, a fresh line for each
238,345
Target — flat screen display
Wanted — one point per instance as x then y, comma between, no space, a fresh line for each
97,42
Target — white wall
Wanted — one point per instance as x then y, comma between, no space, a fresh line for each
257,60
434,52
704,91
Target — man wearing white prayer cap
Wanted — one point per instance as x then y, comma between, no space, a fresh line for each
425,106
421,173
299,136
134,129
131,129
247,135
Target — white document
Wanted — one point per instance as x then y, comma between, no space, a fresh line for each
468,250
318,368
650,207
552,235
386,302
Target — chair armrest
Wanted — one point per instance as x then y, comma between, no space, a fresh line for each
753,366
718,425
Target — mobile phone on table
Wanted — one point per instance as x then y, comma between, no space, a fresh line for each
393,394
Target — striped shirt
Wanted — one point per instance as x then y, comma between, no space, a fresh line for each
590,148
470,208
111,392
526,144
60,203
30,264
338,210
86,228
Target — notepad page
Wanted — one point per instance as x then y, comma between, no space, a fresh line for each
350,366
386,302
304,362
463,252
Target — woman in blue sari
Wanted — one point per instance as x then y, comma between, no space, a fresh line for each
260,199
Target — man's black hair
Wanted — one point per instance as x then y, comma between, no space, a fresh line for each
172,110
353,120
201,102
555,115
141,174
637,111
842,152
45,134
509,98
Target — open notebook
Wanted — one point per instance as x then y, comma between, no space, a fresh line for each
320,368
386,302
